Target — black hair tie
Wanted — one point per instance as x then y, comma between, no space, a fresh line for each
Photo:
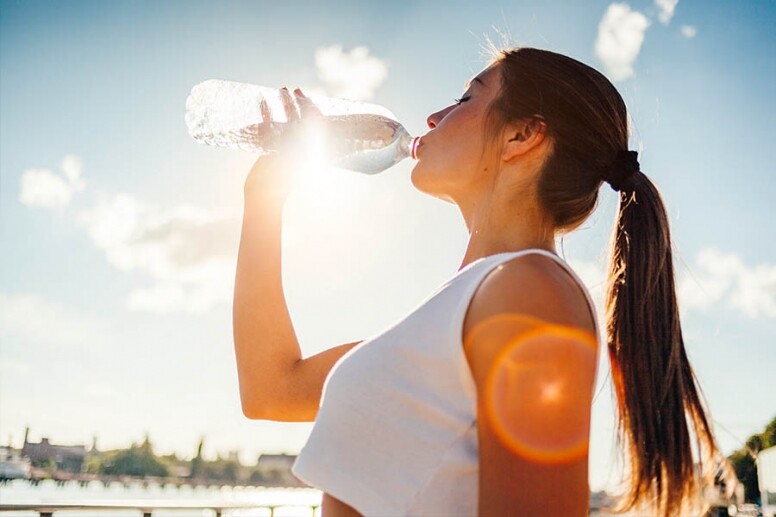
620,172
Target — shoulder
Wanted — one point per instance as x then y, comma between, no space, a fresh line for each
524,292
531,285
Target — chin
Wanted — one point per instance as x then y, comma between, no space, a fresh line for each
423,181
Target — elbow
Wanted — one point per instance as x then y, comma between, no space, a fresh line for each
253,411
278,412
262,394
250,413
253,407
259,404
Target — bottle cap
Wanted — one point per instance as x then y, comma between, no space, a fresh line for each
414,148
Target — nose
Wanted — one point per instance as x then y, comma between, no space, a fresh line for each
435,118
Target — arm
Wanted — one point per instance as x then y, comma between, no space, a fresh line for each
529,341
275,382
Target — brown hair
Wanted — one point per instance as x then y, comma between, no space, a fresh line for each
655,386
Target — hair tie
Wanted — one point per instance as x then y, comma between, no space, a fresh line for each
620,172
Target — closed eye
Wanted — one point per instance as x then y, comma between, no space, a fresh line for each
462,99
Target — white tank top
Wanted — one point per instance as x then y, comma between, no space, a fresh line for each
396,431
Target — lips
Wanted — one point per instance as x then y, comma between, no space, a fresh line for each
416,145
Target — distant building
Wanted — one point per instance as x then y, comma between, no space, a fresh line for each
601,501
66,457
766,474
276,469
276,461
179,471
13,465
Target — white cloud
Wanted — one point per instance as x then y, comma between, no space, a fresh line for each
665,10
353,75
755,291
688,31
620,36
187,253
42,188
716,279
45,189
724,278
71,168
36,320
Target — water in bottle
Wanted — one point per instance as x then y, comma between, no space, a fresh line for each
358,136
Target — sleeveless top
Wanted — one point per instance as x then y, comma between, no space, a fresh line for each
396,430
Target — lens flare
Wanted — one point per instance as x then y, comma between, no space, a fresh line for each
538,393
316,183
313,158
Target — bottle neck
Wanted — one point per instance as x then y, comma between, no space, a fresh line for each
408,145
413,147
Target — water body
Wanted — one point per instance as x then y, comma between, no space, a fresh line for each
296,502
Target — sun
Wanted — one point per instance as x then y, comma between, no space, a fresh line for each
317,181
322,194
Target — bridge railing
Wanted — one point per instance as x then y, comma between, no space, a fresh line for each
146,507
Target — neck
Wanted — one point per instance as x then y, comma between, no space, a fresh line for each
504,227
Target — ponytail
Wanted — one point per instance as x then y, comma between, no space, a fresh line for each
657,395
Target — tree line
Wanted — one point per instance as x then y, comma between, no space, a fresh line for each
743,460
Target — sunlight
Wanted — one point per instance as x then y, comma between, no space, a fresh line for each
551,392
318,182
321,193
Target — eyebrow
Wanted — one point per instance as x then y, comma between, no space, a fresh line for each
475,80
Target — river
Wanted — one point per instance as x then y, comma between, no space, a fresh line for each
297,502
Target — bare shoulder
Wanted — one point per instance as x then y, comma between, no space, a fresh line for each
532,285
522,292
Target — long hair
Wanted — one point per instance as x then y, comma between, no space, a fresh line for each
658,399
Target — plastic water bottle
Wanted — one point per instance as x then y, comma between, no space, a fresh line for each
357,136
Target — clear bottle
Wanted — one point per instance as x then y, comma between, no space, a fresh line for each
358,136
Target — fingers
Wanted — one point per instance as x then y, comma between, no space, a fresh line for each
296,107
292,111
306,107
266,114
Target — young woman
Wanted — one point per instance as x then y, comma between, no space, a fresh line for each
478,402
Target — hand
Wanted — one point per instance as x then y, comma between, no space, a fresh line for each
272,175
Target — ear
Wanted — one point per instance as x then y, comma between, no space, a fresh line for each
522,137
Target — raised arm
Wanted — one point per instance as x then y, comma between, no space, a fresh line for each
275,382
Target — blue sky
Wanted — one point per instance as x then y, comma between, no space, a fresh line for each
119,233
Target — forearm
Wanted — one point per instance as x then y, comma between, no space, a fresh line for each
266,346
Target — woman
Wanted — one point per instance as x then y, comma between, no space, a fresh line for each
479,401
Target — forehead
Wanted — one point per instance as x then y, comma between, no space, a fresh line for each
486,78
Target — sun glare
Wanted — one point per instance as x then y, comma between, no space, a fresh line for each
551,392
321,192
538,392
316,179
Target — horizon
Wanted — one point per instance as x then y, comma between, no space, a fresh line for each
119,232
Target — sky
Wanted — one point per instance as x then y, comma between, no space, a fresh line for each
119,233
